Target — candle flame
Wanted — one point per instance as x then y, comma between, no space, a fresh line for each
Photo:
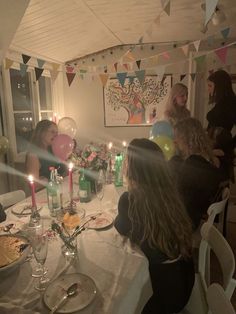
71,165
110,145
124,143
31,178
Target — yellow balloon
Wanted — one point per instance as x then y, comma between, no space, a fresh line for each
4,145
166,144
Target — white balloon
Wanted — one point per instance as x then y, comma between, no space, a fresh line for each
67,126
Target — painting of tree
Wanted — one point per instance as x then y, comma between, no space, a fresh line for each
134,104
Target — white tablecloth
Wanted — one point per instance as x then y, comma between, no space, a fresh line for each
119,270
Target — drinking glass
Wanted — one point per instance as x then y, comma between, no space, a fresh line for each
40,249
99,187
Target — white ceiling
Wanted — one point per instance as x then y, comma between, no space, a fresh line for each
62,30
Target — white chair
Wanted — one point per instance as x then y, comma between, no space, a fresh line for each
217,208
217,300
213,240
11,198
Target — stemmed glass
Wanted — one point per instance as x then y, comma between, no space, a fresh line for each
99,186
40,248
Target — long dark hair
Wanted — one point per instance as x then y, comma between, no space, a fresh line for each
155,206
223,85
41,127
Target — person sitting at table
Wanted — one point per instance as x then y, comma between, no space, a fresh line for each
176,105
40,157
152,215
197,177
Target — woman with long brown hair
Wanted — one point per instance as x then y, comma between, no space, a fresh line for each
152,216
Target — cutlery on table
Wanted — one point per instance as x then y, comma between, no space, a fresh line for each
69,293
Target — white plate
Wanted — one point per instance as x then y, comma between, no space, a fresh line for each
17,226
23,209
102,221
84,296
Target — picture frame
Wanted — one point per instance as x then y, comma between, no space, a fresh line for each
135,104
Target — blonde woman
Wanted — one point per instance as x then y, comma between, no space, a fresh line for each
176,106
197,177
152,216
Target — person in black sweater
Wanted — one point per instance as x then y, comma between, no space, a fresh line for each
152,215
197,177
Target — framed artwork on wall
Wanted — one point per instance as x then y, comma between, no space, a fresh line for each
135,104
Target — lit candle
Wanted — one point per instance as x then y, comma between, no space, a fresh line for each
110,146
70,168
124,143
31,181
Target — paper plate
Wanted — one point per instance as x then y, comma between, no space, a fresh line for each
83,297
23,209
101,221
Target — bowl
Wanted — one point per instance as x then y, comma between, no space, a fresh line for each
14,251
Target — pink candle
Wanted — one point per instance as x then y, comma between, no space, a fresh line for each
31,181
70,178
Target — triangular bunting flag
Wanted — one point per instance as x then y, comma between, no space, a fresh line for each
40,63
167,8
8,63
125,65
54,74
138,62
185,49
129,55
38,73
55,66
25,58
166,55
210,9
193,75
200,59
225,32
163,3
115,66
70,77
197,44
104,78
182,76
23,69
140,76
69,69
222,53
121,78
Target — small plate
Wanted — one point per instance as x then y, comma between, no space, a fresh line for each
23,209
17,226
84,296
102,221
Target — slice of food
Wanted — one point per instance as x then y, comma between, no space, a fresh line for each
10,249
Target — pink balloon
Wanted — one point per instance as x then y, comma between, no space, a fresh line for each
62,146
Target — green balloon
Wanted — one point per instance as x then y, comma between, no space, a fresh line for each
4,145
166,144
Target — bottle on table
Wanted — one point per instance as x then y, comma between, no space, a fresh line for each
119,169
53,193
84,188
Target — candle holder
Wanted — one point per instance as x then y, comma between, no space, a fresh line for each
35,216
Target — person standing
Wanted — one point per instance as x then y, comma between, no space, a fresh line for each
152,215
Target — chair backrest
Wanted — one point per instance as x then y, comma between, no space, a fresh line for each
11,198
218,208
213,240
217,300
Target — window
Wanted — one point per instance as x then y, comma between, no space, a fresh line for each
31,102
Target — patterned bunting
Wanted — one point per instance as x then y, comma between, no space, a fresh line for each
166,55
131,79
125,65
8,63
23,69
69,69
40,63
225,32
38,73
104,77
25,58
70,77
222,53
182,76
115,66
138,62
210,9
55,66
193,75
140,76
167,8
185,49
121,78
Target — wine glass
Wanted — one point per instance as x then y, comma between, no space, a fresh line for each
99,186
40,248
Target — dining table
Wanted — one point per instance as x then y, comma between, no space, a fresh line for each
118,268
